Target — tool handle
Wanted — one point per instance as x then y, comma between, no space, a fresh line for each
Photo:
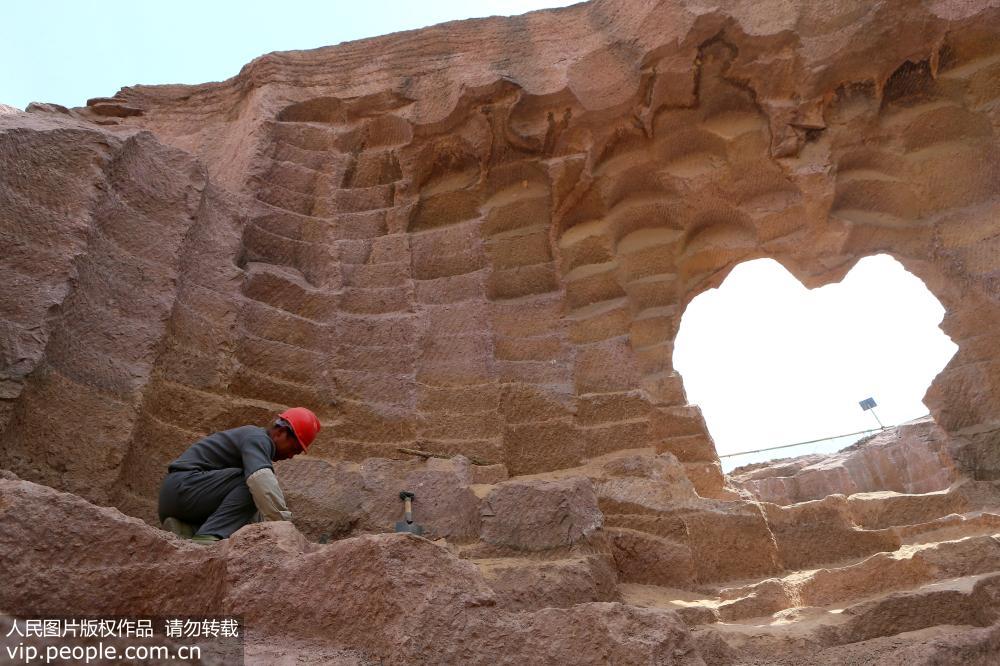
408,507
407,498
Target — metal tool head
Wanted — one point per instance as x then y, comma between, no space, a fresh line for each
411,527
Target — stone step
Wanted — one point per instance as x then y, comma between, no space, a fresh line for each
531,584
884,572
952,526
796,549
953,622
964,602
887,509
700,534
969,600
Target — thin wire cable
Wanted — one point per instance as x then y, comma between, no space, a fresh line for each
787,446
813,441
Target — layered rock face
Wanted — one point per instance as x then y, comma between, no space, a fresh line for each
914,458
477,240
572,575
482,240
111,240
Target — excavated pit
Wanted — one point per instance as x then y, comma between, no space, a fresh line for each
480,244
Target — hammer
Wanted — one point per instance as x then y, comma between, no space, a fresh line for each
408,525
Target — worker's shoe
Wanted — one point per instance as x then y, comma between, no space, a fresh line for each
205,539
179,527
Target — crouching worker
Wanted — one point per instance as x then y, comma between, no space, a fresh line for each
226,480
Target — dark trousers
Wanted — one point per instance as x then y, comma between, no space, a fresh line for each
217,501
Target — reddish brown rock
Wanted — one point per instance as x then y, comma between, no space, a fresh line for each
976,647
334,499
393,597
763,599
444,505
331,229
886,509
649,559
64,555
597,633
326,499
529,584
718,530
974,602
913,458
881,574
491,258
535,514
642,483
122,231
354,585
821,532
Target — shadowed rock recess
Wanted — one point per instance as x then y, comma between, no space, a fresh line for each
477,239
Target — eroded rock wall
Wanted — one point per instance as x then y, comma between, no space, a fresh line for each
912,458
481,241
103,233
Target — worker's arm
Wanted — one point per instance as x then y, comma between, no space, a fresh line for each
267,495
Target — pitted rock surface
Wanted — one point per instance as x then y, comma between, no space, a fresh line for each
479,245
488,257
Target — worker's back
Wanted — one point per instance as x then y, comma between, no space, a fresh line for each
247,447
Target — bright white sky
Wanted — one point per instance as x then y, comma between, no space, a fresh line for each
768,361
773,363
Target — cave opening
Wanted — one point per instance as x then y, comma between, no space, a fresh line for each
771,362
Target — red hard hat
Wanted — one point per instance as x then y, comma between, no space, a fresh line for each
304,424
